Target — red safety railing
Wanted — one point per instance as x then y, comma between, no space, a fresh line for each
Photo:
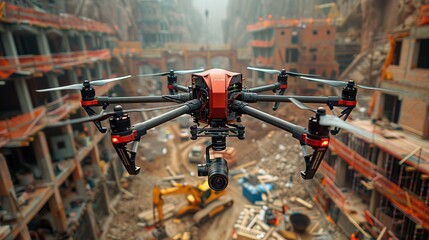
406,202
16,14
423,17
23,125
288,22
262,43
41,63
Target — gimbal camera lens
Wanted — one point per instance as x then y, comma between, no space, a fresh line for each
217,172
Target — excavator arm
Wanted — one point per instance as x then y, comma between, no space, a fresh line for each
158,201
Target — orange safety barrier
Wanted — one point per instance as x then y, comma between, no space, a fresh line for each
423,18
288,22
15,14
334,193
21,125
41,63
407,203
262,43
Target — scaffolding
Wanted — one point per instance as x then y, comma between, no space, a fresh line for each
16,14
29,64
409,204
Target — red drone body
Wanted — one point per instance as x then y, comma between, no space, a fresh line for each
215,88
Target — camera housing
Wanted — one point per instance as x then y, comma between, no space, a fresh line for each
217,172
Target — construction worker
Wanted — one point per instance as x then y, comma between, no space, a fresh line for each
354,236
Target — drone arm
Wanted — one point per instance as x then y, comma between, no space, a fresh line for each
296,130
123,134
274,86
318,143
188,107
180,88
101,101
253,97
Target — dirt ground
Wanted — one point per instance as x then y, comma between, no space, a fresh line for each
275,151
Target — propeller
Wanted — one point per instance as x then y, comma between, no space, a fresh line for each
79,86
331,120
283,71
171,72
350,83
117,111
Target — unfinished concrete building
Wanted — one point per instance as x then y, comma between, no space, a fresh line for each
380,186
52,181
298,45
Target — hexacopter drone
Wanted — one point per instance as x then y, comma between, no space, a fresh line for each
218,99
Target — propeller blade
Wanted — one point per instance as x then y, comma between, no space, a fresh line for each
333,83
295,74
270,71
181,72
301,105
334,121
189,71
337,83
105,81
379,89
153,74
77,86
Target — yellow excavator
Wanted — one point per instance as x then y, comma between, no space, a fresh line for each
202,201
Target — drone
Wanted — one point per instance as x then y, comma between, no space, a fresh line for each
217,100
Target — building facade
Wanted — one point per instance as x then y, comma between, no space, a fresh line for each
297,45
380,186
54,181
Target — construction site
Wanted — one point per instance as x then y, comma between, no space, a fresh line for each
185,119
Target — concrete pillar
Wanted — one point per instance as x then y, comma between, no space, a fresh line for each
23,95
9,44
78,172
66,43
374,202
44,161
95,158
57,211
24,234
53,82
92,224
7,192
103,42
82,43
340,172
108,69
72,76
99,70
43,157
91,41
42,42
104,191
86,73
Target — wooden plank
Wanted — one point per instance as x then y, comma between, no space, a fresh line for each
269,233
172,173
251,163
177,177
302,202
383,231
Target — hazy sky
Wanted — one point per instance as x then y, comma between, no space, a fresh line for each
217,13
